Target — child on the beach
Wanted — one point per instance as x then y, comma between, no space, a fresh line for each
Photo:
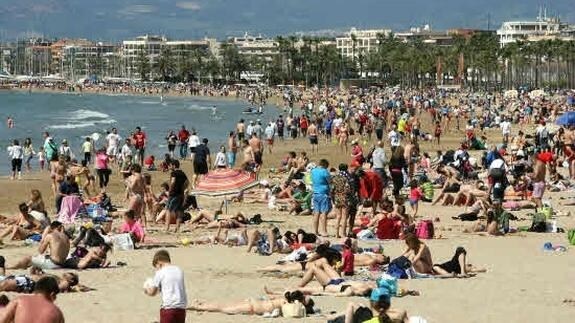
347,267
438,132
133,227
415,195
41,157
169,281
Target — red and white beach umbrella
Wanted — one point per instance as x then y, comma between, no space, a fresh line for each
221,182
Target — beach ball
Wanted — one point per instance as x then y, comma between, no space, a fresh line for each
365,142
185,241
149,283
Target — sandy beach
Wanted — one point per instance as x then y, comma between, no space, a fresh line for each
522,283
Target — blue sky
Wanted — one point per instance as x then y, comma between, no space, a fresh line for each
119,19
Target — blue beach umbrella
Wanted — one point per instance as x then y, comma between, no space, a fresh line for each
567,119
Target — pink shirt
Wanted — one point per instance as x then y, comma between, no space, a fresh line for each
415,194
135,228
101,161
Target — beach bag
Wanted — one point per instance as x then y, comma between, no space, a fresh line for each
387,229
571,237
123,242
398,267
538,223
425,230
293,310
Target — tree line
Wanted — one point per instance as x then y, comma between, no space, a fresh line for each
476,62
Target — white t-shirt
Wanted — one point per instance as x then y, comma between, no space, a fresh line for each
505,127
394,138
221,159
15,152
170,281
113,140
498,163
270,132
193,141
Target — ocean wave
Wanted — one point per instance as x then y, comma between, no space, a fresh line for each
83,114
108,121
196,107
75,125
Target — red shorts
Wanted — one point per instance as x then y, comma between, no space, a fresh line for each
172,315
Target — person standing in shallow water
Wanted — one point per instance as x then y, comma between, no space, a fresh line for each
16,154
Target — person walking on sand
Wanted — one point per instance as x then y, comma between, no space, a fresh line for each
36,308
312,135
140,141
169,282
16,153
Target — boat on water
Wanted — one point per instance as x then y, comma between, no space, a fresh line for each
253,110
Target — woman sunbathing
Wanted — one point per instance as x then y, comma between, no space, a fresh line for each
224,237
457,266
218,220
26,225
254,307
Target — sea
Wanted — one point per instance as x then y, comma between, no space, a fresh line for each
74,116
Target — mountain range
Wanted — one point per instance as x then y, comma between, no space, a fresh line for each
114,20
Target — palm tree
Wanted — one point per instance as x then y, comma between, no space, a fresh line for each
143,65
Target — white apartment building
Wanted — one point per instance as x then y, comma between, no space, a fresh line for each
532,30
365,41
256,46
152,47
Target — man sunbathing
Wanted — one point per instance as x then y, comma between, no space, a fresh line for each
25,226
218,220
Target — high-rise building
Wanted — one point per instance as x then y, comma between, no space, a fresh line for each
151,48
359,42
534,30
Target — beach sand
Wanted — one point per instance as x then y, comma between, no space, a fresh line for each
522,284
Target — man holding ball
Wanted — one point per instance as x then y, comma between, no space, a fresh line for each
169,281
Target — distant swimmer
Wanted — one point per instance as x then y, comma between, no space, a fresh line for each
10,122
214,111
261,109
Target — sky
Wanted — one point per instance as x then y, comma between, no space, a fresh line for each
114,20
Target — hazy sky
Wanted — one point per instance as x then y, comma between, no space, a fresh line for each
119,19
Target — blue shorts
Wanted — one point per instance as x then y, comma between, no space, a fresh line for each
413,202
321,203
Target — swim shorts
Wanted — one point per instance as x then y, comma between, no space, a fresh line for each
44,262
321,203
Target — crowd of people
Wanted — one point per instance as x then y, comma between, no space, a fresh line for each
380,136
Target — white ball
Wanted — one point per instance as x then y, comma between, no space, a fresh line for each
149,283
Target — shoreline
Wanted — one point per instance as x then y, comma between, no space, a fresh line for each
274,99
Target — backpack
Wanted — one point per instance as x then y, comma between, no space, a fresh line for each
538,223
497,173
425,229
387,229
398,266
571,236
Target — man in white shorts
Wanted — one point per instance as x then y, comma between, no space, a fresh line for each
113,140
56,241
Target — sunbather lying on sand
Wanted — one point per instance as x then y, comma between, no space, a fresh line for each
254,307
23,283
236,239
218,220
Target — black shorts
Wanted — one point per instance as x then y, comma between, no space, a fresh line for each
171,147
16,164
192,150
175,204
258,157
313,140
200,167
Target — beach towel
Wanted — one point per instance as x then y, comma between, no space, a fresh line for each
71,206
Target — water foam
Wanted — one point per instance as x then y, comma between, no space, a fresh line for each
83,114
73,125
